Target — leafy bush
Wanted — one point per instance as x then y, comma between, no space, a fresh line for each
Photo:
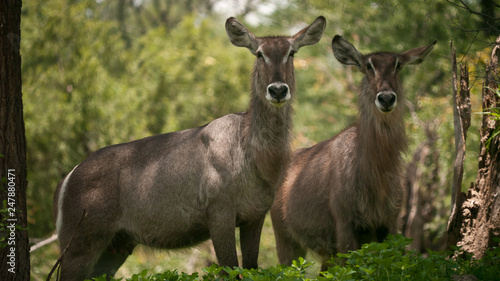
375,261
392,261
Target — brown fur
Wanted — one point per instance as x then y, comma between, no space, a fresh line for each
347,190
178,189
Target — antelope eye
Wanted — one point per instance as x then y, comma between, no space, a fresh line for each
259,54
292,53
398,65
369,66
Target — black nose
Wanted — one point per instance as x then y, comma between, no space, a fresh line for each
386,99
278,92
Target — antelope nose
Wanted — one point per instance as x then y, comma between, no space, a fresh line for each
278,93
386,101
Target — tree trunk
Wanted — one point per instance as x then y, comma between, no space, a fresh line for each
461,120
477,219
422,186
14,256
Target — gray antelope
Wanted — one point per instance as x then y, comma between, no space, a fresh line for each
347,190
178,189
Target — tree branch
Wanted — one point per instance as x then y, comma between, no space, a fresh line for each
466,7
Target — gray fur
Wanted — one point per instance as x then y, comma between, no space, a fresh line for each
347,190
178,189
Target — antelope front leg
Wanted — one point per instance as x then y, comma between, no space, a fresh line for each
250,240
222,232
346,236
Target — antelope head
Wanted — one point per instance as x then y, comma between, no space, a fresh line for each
274,79
382,70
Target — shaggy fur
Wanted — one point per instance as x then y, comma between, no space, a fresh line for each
347,190
178,189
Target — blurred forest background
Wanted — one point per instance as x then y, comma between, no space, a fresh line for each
101,72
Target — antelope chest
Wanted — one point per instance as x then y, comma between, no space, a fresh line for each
377,208
253,201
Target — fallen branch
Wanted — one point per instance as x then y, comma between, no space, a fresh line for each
43,243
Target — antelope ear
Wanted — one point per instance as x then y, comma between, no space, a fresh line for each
309,35
416,55
345,52
240,36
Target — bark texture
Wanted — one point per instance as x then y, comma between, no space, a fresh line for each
14,256
476,221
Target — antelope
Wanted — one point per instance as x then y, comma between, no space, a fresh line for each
347,190
179,189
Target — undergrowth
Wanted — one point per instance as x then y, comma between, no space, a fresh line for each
390,260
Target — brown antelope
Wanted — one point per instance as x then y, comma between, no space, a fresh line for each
178,189
347,190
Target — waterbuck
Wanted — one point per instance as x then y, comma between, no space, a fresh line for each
178,189
347,190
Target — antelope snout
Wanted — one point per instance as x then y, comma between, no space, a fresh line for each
278,94
386,101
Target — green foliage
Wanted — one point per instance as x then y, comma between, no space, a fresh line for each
214,272
166,276
494,113
392,261
97,73
389,260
